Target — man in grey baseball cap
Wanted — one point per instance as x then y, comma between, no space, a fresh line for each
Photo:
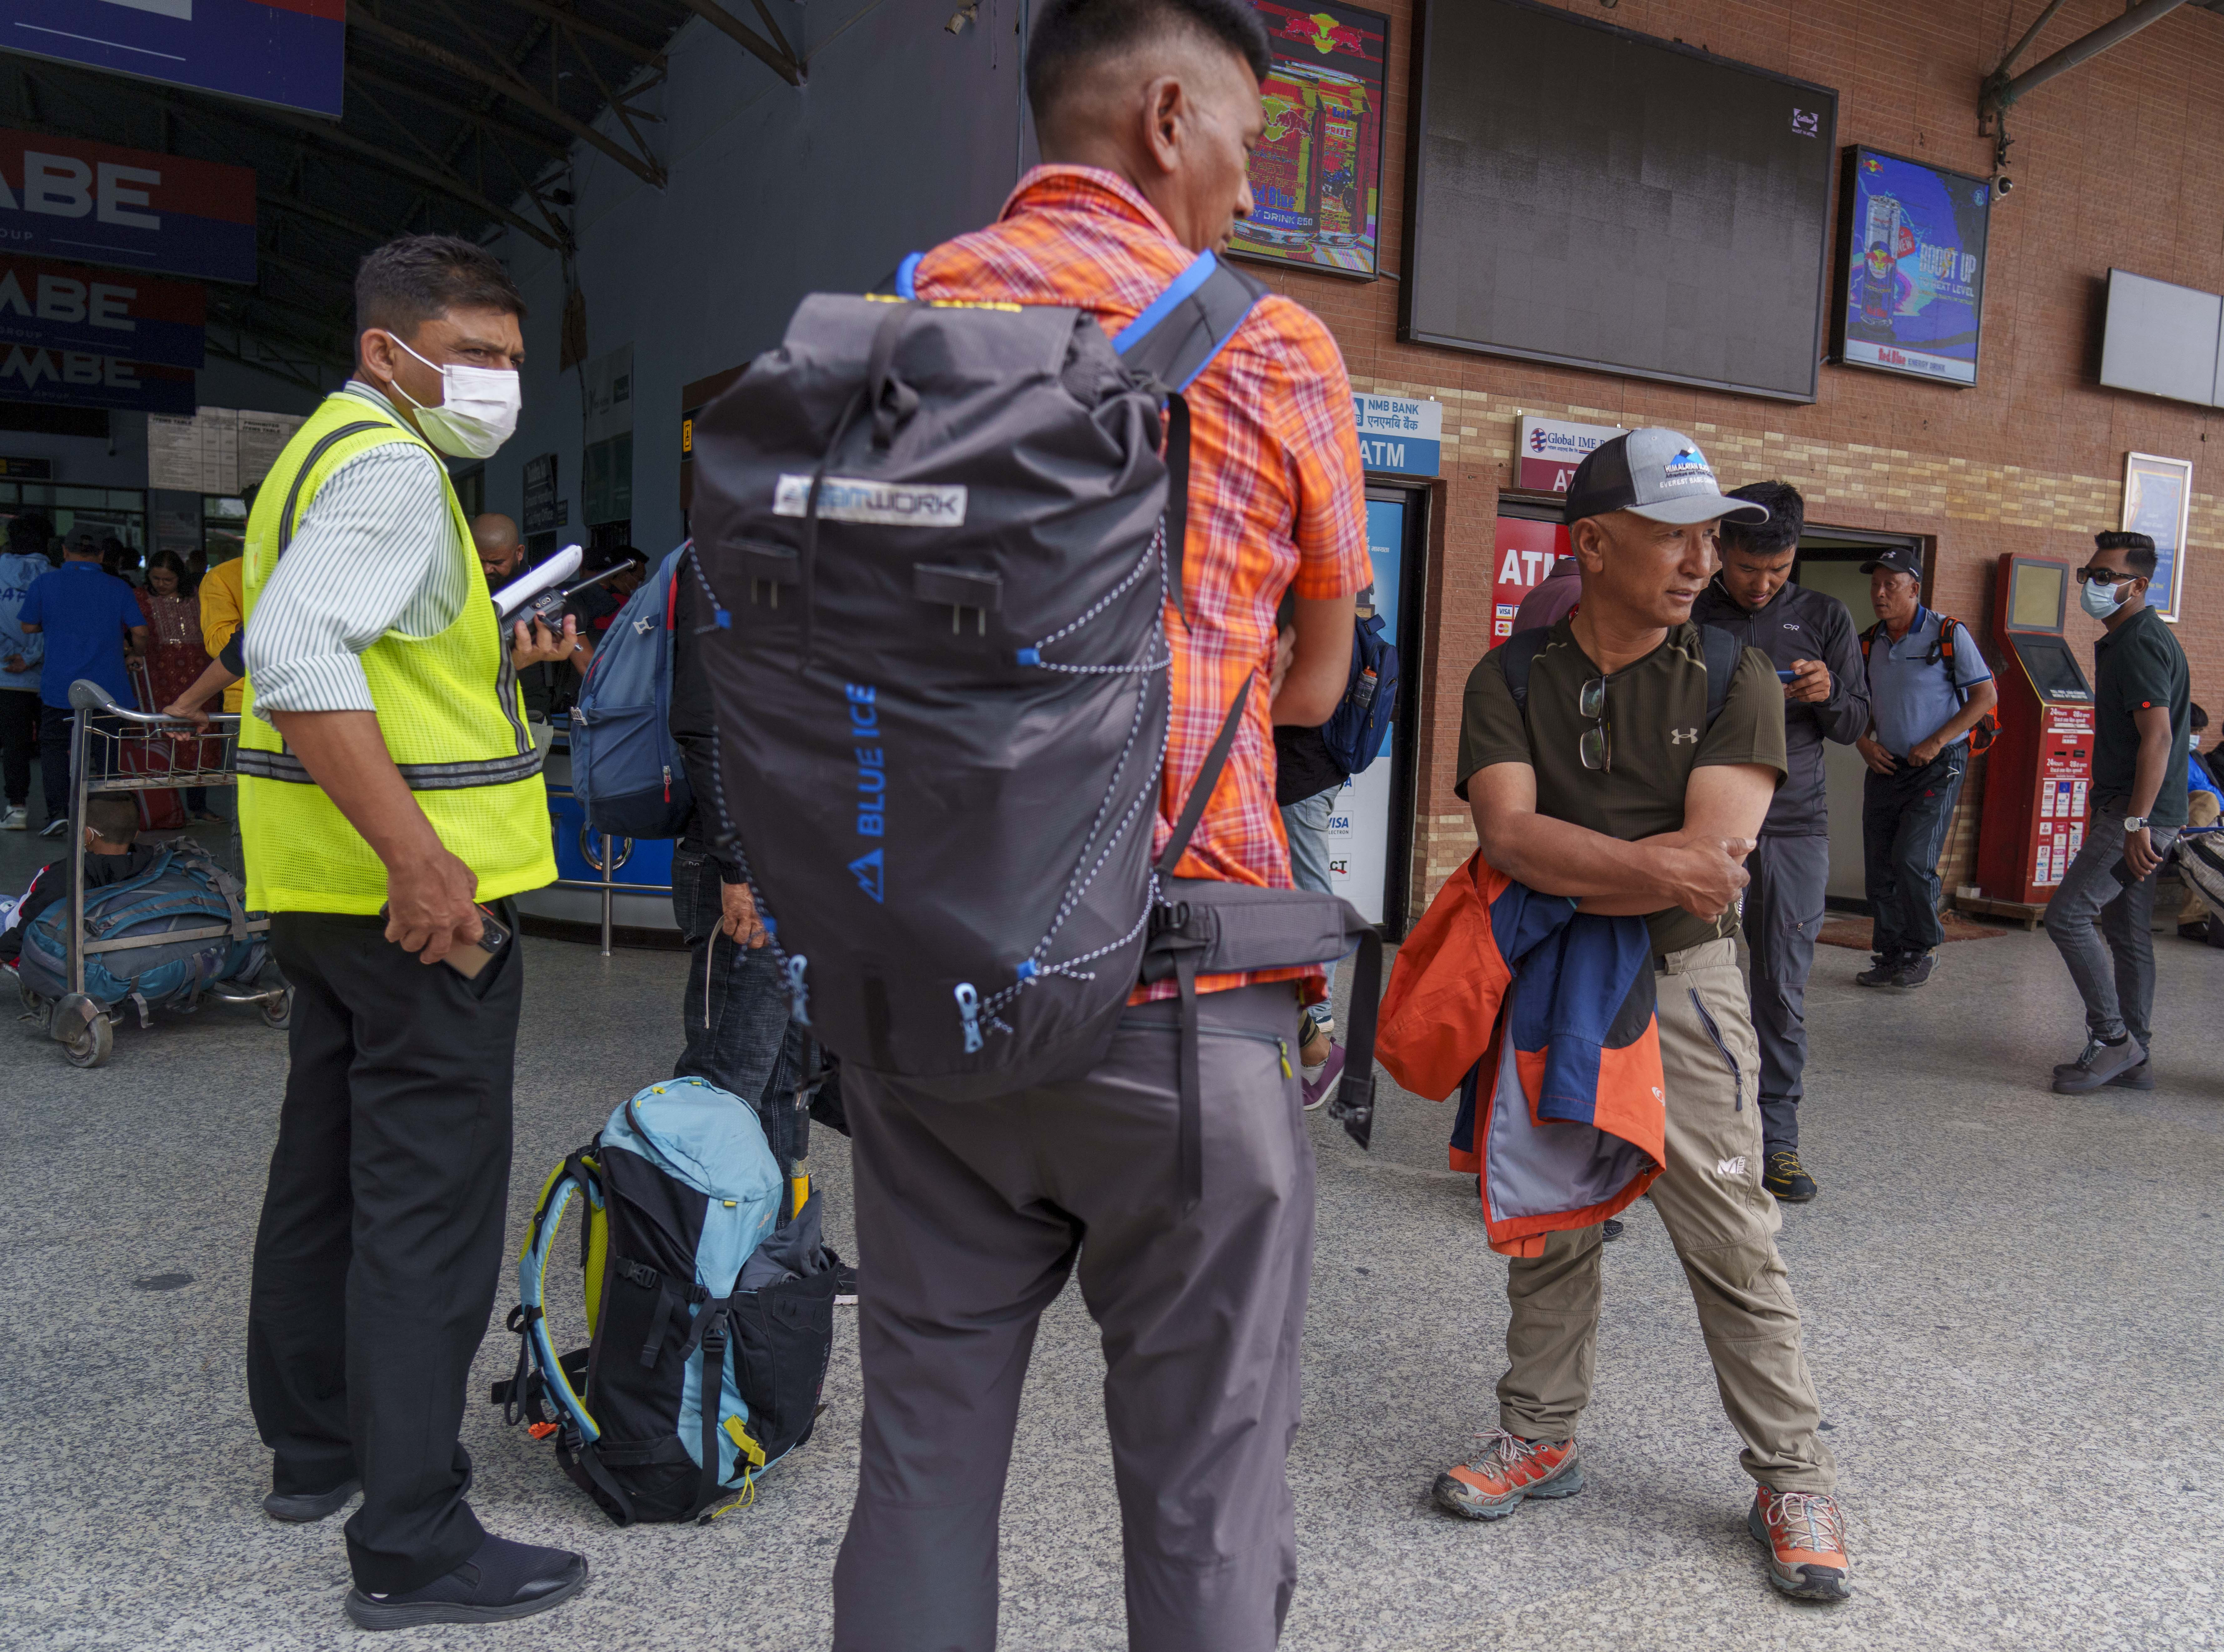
1625,758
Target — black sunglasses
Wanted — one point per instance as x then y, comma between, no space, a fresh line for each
1594,748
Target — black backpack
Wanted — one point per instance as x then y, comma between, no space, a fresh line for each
938,539
1987,728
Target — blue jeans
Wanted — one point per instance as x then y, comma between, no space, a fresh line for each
736,1011
1306,823
1904,819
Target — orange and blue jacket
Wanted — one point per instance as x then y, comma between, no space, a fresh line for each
1541,1019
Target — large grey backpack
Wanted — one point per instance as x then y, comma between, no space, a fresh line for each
937,542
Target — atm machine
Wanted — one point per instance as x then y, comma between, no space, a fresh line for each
2041,765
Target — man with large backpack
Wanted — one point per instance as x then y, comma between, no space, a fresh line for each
1175,1165
1624,760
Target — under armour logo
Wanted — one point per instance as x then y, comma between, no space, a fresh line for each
1680,736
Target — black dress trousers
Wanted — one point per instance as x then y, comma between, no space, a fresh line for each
381,1242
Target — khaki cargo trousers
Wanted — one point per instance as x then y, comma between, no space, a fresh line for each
1723,1225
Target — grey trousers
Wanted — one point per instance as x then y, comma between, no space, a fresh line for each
2116,979
1783,915
969,1218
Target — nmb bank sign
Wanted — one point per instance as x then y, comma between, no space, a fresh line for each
1399,435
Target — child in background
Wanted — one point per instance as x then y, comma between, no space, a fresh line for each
113,855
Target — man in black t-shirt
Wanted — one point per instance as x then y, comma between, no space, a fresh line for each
1611,786
2142,712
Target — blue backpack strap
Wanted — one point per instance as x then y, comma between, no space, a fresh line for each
1515,656
907,276
1722,651
1175,338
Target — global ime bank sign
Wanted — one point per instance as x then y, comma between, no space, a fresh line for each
1399,435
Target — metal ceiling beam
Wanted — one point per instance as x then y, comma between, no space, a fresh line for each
510,85
780,63
2030,39
2001,93
610,38
421,92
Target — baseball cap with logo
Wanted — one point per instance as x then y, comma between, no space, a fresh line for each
1656,473
1899,559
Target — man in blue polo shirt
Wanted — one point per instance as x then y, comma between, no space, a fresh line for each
1928,687
87,618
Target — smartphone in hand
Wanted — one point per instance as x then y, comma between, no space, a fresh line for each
468,961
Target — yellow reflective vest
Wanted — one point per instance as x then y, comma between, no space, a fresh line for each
448,705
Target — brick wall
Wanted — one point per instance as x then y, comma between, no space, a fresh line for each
2113,165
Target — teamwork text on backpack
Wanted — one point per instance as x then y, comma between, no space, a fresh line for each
940,541
709,1327
1987,728
184,889
1356,730
626,771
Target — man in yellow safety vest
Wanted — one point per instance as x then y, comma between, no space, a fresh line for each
390,803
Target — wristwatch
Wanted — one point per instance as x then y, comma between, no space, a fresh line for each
2135,823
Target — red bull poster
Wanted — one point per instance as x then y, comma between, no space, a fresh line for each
1912,283
1316,174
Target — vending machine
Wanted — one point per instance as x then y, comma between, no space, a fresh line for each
2041,766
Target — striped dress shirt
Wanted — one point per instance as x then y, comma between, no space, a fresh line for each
376,551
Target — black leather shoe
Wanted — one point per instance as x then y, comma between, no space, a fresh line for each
500,1581
1786,1178
300,1507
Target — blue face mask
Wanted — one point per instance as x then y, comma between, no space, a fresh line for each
2099,598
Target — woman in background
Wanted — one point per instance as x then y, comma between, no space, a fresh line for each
175,656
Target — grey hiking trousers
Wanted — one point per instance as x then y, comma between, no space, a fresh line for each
971,1216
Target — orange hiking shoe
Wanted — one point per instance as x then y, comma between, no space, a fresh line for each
1804,1533
1510,1469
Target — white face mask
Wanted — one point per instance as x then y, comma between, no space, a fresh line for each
477,411
2099,598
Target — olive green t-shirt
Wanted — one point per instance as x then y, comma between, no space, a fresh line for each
1657,733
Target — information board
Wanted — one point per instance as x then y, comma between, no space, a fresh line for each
1911,267
1596,198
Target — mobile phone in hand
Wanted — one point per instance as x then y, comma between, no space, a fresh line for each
468,961
1786,676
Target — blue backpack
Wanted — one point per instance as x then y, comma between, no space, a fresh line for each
626,770
710,1322
1356,728
183,890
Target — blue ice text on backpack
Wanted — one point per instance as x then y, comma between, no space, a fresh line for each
709,1327
183,890
626,771
1356,728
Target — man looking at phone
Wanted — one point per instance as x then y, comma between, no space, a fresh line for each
2142,714
388,788
1809,636
1608,783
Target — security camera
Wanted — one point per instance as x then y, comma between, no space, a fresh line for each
2003,183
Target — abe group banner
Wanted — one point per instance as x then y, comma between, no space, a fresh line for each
104,312
80,378
95,202
286,52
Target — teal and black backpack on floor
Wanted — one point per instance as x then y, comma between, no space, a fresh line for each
710,1321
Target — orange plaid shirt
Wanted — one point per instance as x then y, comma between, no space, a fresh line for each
1277,499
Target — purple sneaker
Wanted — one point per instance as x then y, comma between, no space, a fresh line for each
1317,1087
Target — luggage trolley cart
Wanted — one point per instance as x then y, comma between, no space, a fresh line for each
140,751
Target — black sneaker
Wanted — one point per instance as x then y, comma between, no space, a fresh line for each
2138,1077
1611,1229
1882,967
502,1580
845,1285
1787,1179
1912,972
55,828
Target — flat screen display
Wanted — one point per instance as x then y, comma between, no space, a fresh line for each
2035,597
1911,276
2052,667
1588,196
1316,174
